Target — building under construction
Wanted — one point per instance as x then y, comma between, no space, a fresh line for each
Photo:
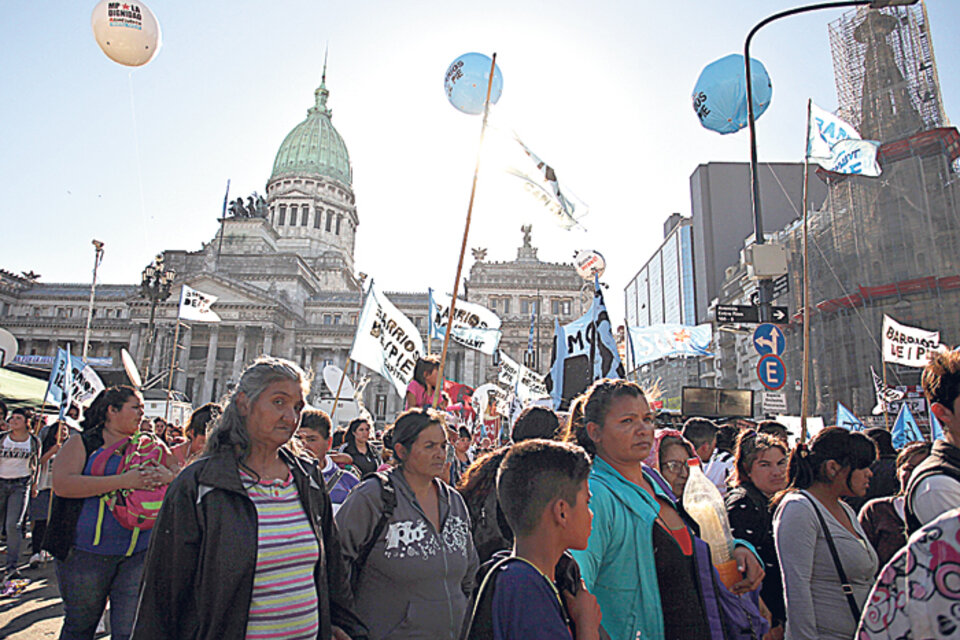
887,245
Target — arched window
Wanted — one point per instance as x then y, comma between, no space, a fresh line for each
329,220
305,215
281,217
339,220
293,215
316,218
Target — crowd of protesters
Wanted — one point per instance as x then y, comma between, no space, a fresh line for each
267,523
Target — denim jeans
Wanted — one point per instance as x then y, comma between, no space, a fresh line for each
86,579
13,497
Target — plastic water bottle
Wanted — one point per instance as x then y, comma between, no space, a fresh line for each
703,502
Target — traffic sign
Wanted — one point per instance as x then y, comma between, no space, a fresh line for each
768,338
781,285
737,313
748,314
773,402
779,314
772,372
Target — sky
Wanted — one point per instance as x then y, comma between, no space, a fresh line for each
140,158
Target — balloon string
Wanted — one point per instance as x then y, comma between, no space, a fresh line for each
136,146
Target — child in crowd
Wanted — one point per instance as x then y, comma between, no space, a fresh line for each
543,490
314,433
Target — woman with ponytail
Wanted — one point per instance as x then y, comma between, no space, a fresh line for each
817,536
95,556
650,572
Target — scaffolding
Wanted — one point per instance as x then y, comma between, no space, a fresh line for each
886,74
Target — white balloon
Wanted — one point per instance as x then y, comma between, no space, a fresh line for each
127,32
8,347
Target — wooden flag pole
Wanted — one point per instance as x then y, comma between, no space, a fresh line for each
886,418
805,377
466,232
336,400
173,366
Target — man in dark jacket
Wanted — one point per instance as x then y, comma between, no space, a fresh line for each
199,572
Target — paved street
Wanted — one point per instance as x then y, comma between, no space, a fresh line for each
35,613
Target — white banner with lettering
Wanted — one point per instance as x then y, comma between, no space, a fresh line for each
909,346
474,326
528,384
386,341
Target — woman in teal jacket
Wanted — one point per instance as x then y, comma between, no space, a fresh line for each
632,515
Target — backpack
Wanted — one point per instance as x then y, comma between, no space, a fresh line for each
134,509
388,499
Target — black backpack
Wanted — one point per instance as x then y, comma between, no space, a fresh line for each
388,499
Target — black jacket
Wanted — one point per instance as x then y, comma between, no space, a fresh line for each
944,459
748,511
198,578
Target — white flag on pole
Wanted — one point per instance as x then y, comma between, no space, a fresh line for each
527,384
387,341
909,346
195,305
474,325
836,146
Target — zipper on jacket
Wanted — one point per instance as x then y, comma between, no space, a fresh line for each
443,553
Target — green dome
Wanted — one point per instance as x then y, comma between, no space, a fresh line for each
314,148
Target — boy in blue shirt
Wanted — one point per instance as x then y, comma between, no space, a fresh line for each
314,434
543,492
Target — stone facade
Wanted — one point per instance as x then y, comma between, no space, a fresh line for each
286,286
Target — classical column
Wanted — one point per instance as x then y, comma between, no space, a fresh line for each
138,343
238,357
186,336
211,363
267,340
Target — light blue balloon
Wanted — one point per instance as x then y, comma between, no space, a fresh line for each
465,83
720,95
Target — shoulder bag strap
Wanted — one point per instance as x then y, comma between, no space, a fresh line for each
844,583
100,462
388,498
334,479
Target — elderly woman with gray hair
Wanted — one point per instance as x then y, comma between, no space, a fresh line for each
245,545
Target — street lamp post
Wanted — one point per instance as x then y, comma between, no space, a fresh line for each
155,285
765,289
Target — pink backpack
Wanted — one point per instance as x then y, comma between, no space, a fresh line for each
134,509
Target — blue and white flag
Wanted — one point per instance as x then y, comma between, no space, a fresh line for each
836,146
905,429
662,340
587,338
386,341
77,380
474,326
847,419
936,429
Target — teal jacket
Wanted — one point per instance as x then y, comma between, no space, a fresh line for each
617,565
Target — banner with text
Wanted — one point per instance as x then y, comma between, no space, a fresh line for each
387,341
195,305
526,382
583,351
909,346
84,383
662,340
474,326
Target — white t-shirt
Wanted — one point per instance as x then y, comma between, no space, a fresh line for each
719,468
935,495
14,458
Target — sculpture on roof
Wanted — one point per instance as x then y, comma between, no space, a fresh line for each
479,254
256,207
526,229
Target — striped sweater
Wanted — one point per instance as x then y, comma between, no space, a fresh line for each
284,602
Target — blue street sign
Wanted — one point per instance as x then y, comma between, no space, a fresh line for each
772,372
768,338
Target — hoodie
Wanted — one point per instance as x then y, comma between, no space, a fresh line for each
417,580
